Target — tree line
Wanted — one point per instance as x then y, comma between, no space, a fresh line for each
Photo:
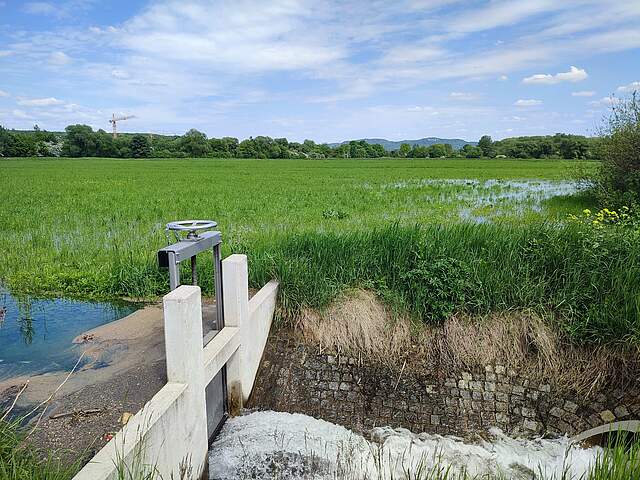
83,141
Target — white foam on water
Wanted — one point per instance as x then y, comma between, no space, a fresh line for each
265,445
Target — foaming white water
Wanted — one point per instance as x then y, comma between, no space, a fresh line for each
269,445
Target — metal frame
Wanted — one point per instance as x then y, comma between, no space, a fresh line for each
186,249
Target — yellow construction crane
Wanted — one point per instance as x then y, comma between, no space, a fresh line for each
114,120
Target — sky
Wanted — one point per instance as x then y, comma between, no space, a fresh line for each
322,70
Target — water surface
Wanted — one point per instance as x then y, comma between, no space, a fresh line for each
36,333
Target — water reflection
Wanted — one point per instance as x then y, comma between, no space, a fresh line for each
36,333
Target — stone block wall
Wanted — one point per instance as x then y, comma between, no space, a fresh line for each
296,378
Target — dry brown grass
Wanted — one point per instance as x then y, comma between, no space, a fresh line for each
360,325
524,342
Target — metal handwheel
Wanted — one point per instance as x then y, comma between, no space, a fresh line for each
190,226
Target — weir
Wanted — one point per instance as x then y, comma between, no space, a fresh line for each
208,376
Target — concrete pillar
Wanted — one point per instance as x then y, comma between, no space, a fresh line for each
185,364
235,287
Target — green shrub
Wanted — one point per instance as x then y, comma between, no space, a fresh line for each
618,182
436,287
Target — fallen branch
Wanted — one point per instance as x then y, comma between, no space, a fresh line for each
79,413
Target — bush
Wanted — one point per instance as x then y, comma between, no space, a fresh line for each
436,287
618,182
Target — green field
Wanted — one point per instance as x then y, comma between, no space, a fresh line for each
74,206
432,236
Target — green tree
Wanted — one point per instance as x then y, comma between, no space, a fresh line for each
572,146
419,151
140,146
79,141
486,145
105,146
194,143
470,151
437,150
6,142
247,149
358,149
377,151
619,178
405,150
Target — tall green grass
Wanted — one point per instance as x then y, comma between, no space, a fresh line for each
620,461
586,281
72,226
21,461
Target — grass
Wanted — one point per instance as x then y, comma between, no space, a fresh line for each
20,461
91,227
586,284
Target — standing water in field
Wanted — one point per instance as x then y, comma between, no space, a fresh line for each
264,445
36,334
479,201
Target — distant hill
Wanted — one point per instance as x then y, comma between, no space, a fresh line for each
389,145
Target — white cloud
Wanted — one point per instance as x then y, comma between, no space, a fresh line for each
21,114
6,53
413,53
40,8
611,41
260,36
4,94
632,87
39,102
583,93
429,4
463,96
527,103
120,74
59,59
573,75
500,13
59,8
202,55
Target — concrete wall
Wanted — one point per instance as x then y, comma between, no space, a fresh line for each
169,434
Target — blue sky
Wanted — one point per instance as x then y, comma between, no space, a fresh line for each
323,70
